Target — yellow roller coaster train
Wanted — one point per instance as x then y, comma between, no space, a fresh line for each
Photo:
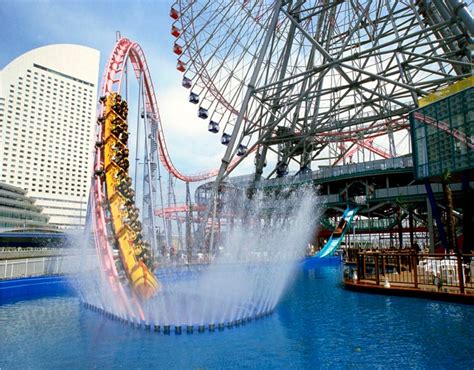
135,260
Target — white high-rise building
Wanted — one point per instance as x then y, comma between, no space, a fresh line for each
47,118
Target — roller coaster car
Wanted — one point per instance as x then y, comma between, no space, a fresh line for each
123,226
213,127
203,113
225,139
147,285
193,98
142,280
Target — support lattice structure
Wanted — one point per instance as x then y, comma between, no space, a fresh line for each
298,78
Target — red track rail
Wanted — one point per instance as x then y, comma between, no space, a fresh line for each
179,209
125,50
113,77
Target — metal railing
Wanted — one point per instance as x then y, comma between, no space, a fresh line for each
437,272
348,169
16,268
366,224
329,172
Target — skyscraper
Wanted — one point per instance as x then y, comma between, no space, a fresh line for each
47,113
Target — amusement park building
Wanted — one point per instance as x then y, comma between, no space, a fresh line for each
47,112
17,211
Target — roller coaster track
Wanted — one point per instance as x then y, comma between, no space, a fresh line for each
124,257
168,212
443,126
113,77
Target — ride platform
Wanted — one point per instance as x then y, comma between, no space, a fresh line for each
443,277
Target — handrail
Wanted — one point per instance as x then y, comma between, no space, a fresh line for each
411,270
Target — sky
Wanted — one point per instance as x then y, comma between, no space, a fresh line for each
28,24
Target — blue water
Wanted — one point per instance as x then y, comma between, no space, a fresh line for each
318,324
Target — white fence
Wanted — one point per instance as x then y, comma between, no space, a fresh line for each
15,268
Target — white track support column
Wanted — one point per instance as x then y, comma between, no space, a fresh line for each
147,173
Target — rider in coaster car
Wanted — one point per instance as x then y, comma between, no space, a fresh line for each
125,182
132,209
117,121
138,237
126,191
124,164
136,226
119,154
118,129
123,137
131,218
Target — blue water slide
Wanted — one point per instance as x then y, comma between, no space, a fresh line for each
338,234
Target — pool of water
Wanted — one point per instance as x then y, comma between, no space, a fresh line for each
317,324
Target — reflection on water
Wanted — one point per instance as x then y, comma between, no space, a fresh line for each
318,324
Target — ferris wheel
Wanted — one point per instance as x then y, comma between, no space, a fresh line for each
302,81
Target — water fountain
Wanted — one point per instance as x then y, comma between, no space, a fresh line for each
244,279
248,262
